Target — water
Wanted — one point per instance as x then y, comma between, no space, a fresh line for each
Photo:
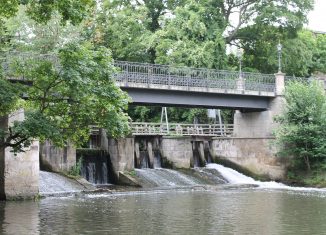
96,168
272,208
171,212
165,177
234,177
54,183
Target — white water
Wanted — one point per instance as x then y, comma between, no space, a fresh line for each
165,177
234,177
50,182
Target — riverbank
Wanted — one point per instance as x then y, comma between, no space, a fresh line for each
315,178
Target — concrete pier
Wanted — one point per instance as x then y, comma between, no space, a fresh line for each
19,174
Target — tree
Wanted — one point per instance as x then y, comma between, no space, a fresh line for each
284,14
193,37
302,131
66,96
42,11
29,35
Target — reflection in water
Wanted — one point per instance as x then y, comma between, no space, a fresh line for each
171,212
19,217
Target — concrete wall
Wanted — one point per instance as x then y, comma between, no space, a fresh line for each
177,150
57,159
19,173
121,154
257,155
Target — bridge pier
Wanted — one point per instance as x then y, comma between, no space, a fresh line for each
19,174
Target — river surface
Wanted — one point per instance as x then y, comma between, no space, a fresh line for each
220,211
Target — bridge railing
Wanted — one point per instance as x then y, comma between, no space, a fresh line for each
14,62
143,73
178,129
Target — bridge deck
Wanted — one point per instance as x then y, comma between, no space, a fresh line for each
164,77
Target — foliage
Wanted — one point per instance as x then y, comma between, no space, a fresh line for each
64,100
76,169
193,37
302,54
37,37
42,11
302,133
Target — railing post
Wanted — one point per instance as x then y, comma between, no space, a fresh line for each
126,65
169,79
149,72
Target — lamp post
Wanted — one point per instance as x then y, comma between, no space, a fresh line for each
240,83
279,51
239,55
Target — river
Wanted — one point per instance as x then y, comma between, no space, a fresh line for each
193,210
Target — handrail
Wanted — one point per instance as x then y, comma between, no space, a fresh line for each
181,129
166,75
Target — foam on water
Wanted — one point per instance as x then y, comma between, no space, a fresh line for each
235,177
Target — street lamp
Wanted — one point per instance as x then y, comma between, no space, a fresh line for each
239,55
240,82
279,51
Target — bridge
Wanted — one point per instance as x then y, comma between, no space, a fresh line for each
165,85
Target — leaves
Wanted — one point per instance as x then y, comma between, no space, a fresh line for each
69,95
302,133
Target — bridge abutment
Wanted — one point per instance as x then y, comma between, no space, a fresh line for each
251,145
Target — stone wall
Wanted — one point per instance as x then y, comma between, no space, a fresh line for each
57,159
177,150
258,155
20,172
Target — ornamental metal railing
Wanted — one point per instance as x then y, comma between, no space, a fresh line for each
165,75
14,63
129,73
180,129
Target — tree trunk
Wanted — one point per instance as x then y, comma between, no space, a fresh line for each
306,160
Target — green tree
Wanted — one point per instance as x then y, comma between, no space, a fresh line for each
193,37
42,11
38,37
302,131
66,97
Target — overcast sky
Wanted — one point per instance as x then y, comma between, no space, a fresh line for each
317,18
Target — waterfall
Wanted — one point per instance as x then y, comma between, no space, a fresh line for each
165,177
54,183
157,159
234,177
144,159
96,167
105,177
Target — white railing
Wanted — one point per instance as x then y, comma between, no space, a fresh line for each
178,129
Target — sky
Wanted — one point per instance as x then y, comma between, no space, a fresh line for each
317,18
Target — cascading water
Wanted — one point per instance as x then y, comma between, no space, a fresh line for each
96,167
165,177
234,177
157,159
50,182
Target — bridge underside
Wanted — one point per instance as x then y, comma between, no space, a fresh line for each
142,96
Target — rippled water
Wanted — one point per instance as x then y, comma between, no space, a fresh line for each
245,211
